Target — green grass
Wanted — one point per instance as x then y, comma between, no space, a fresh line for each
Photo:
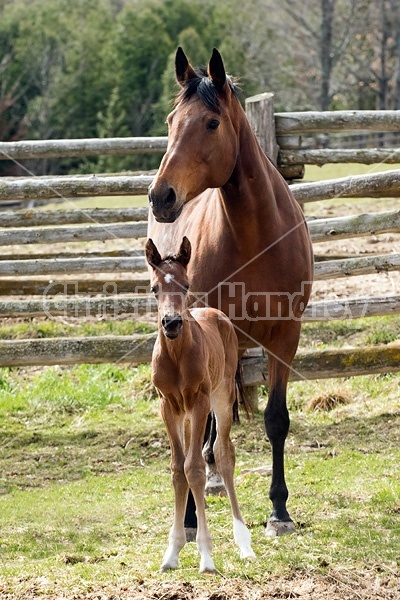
334,171
100,202
60,328
86,501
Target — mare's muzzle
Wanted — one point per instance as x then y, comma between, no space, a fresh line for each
164,205
172,326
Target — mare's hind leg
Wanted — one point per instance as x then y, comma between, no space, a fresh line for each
276,418
224,451
177,536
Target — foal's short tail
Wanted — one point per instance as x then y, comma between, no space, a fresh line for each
241,396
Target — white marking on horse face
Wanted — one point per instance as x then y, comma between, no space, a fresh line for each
168,278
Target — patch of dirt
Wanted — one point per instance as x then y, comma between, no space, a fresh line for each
343,585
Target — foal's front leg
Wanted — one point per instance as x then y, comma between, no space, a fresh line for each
196,476
177,536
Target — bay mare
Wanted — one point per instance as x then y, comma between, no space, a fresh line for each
251,250
193,369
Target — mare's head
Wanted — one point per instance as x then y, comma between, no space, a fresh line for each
202,138
169,283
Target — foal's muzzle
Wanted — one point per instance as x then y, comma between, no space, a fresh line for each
172,326
163,205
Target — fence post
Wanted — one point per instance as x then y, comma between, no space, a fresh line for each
260,113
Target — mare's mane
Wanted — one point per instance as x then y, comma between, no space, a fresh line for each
205,89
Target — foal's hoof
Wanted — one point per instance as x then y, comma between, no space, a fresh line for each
191,533
278,528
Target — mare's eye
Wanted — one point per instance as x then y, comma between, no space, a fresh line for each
213,124
154,289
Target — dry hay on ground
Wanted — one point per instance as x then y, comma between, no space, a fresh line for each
335,585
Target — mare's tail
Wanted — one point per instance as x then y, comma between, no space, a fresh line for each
241,396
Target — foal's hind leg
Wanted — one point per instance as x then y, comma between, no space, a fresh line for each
214,481
224,452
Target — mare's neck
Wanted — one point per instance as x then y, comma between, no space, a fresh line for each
253,174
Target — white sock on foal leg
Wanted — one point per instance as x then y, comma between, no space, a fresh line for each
171,556
243,539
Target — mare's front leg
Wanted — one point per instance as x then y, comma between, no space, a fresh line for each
177,537
276,418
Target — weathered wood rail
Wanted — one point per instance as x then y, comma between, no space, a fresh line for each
375,184
323,270
141,304
16,232
137,349
82,147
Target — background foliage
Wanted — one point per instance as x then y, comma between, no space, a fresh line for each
105,67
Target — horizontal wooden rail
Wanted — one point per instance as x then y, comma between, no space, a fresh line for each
323,270
34,218
382,184
88,233
336,121
72,265
140,304
365,156
40,286
82,147
373,184
133,349
323,230
323,364
73,186
137,349
335,269
320,229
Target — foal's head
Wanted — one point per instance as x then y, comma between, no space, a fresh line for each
203,141
170,284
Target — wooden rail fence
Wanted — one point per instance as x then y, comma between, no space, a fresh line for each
50,279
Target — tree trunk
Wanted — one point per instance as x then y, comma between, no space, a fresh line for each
328,11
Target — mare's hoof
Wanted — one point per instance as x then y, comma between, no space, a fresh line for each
278,528
191,533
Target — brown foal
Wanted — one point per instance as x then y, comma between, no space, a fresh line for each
194,364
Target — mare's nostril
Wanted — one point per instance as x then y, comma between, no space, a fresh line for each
170,198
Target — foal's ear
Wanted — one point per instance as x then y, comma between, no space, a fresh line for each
152,254
185,252
183,69
216,70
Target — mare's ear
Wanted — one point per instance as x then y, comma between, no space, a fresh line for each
183,68
152,254
185,252
216,70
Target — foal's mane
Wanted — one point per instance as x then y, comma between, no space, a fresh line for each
207,92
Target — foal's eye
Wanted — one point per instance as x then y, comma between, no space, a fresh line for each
213,124
154,289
